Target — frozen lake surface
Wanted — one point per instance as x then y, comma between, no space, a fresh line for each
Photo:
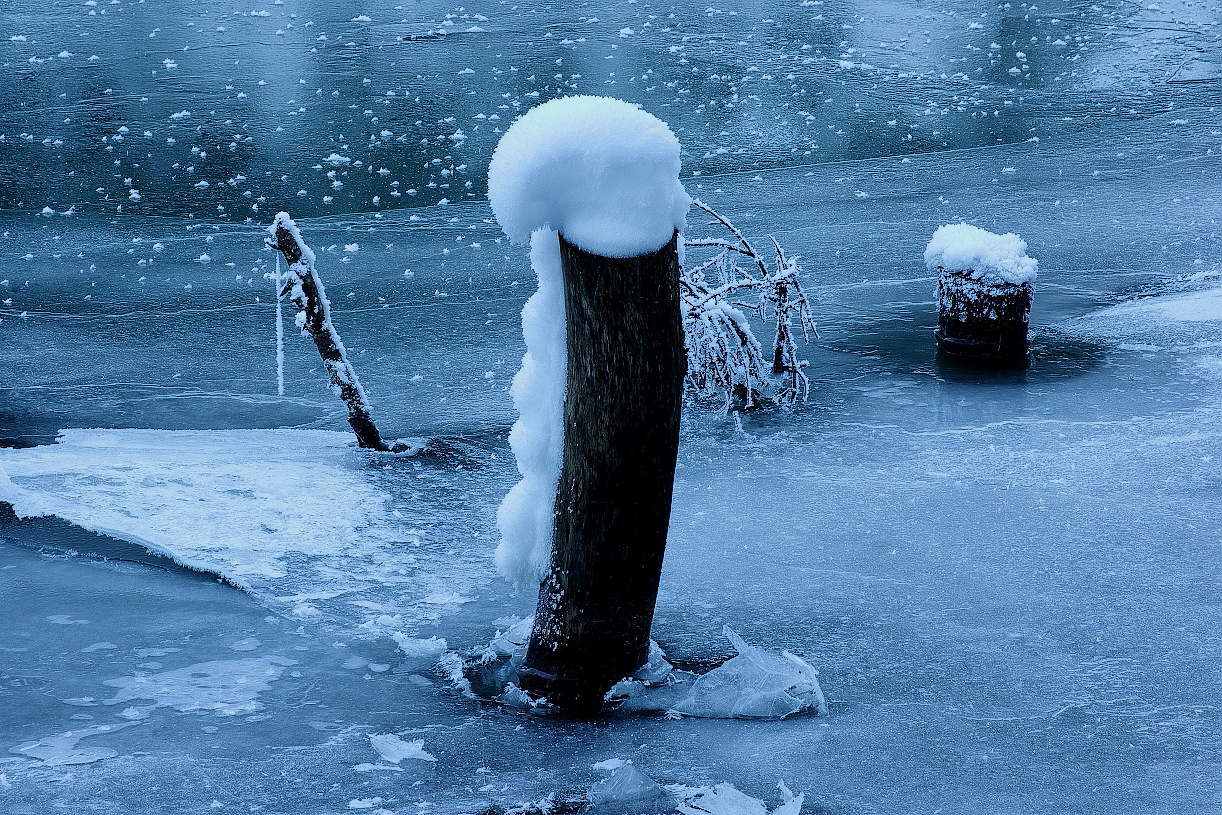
1008,581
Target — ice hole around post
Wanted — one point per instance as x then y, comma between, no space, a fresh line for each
1006,580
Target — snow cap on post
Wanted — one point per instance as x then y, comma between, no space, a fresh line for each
994,258
601,172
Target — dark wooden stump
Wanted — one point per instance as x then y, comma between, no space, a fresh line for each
626,365
982,322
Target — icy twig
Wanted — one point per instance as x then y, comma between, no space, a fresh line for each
304,287
723,354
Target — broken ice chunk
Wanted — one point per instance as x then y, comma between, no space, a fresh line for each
755,684
726,799
394,749
626,788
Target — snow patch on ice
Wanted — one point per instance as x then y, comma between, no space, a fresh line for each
994,258
62,749
227,687
1193,307
228,502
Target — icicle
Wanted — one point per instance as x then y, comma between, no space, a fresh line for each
279,332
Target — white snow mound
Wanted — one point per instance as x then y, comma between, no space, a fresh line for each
602,172
537,438
993,258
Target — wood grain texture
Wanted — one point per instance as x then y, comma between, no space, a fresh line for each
626,365
985,323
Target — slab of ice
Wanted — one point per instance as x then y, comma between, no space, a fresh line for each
993,257
237,503
755,684
296,517
625,788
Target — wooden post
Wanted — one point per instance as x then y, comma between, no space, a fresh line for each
304,287
982,322
626,365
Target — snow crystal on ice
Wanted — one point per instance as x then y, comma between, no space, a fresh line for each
394,749
993,257
602,172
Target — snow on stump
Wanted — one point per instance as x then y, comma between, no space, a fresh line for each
594,184
984,293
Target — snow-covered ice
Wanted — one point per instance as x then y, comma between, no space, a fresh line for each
293,516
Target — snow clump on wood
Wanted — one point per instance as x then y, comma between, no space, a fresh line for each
601,172
991,257
605,174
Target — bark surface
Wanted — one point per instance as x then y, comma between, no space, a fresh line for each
626,365
983,322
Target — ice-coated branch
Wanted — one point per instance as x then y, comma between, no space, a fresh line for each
723,355
304,287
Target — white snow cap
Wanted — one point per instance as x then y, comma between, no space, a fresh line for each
963,247
601,172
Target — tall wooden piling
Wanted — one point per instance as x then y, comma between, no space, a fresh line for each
626,365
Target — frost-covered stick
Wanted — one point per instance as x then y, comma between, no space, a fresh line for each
723,354
279,332
304,287
593,184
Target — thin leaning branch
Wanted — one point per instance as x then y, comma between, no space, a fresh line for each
304,287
